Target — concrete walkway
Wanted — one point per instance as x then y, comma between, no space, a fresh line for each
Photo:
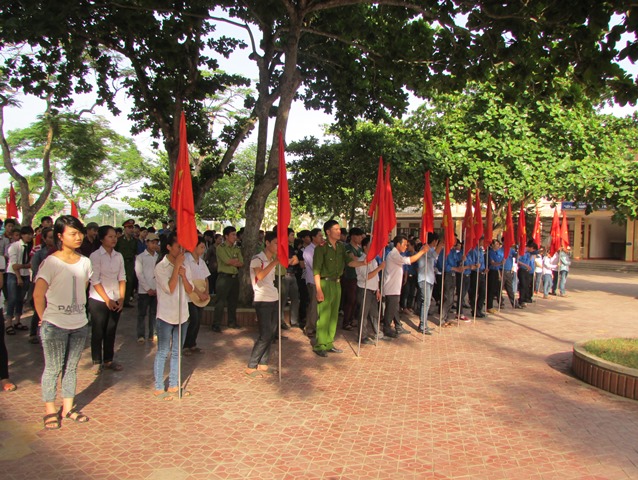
495,400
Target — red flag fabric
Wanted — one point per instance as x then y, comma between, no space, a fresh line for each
468,224
448,221
74,209
489,222
283,207
478,220
508,233
564,231
376,211
182,194
522,229
537,229
555,234
427,221
390,213
12,206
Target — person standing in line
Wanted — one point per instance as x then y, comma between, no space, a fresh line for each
453,268
90,243
266,299
18,279
60,301
368,279
426,278
393,282
147,289
46,248
127,246
6,385
229,261
106,300
549,266
349,280
564,262
316,238
538,270
329,261
525,269
174,285
199,298
495,270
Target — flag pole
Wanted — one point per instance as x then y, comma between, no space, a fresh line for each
476,290
179,336
425,314
363,311
500,292
487,275
381,294
442,289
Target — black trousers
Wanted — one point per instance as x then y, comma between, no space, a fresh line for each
391,312
524,286
477,287
194,319
449,287
103,330
227,288
267,319
493,287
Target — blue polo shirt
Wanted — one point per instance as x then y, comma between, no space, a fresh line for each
497,257
527,259
510,260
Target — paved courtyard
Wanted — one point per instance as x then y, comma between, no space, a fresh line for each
494,400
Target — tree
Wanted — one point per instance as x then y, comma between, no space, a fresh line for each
85,160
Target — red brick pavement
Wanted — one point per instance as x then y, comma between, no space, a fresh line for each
490,401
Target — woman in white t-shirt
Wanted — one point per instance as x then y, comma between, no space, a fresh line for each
60,301
266,298
199,298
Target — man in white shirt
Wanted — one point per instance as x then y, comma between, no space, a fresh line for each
394,281
426,278
146,288
18,278
368,287
316,238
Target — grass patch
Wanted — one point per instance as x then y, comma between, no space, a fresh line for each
623,351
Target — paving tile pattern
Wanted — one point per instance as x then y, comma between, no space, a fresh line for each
494,400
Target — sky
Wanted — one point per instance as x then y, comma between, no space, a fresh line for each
302,122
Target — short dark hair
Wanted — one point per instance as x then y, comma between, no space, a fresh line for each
365,242
45,218
26,230
103,231
314,232
119,230
356,231
344,231
329,224
151,230
45,231
10,221
290,230
398,239
270,235
200,239
228,230
171,238
432,236
303,233
64,221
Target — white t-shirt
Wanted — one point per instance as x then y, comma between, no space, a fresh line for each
171,307
199,270
265,290
394,262
363,271
145,271
66,294
15,253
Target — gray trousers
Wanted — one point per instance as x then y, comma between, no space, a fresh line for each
311,311
370,312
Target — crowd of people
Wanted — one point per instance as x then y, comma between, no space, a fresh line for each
80,278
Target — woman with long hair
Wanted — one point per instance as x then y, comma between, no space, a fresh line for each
106,299
60,301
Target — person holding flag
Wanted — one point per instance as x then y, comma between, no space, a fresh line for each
426,278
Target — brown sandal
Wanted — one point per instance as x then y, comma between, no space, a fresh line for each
79,416
52,421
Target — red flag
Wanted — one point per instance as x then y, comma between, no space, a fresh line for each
74,209
448,221
12,206
508,233
182,194
489,222
564,231
537,229
390,213
376,211
555,234
283,208
468,224
522,229
427,221
478,220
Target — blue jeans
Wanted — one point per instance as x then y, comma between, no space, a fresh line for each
15,295
62,350
146,303
538,281
562,279
167,342
426,292
547,284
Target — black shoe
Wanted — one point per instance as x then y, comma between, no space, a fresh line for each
217,328
426,332
321,353
402,331
234,326
385,338
466,306
480,315
335,350
348,327
368,341
284,326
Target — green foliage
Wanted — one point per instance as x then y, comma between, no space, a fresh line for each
622,351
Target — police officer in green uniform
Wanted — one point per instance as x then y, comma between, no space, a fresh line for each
127,246
229,261
329,261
